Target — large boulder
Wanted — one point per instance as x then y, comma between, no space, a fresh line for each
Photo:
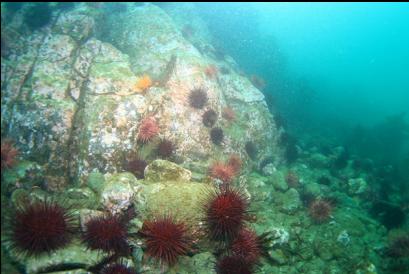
69,99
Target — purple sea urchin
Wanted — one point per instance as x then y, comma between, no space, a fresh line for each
137,167
165,148
209,118
198,98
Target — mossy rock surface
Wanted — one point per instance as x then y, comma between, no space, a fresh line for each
182,200
162,170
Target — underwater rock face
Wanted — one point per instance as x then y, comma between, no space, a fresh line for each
69,100
118,192
162,170
277,179
72,253
357,186
184,200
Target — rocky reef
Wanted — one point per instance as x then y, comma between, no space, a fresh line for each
71,101
129,118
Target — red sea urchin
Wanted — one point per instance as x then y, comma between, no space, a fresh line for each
226,210
198,98
320,210
229,114
221,171
249,246
41,227
107,233
235,163
8,155
233,265
147,130
165,239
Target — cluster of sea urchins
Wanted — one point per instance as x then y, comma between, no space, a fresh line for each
226,214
